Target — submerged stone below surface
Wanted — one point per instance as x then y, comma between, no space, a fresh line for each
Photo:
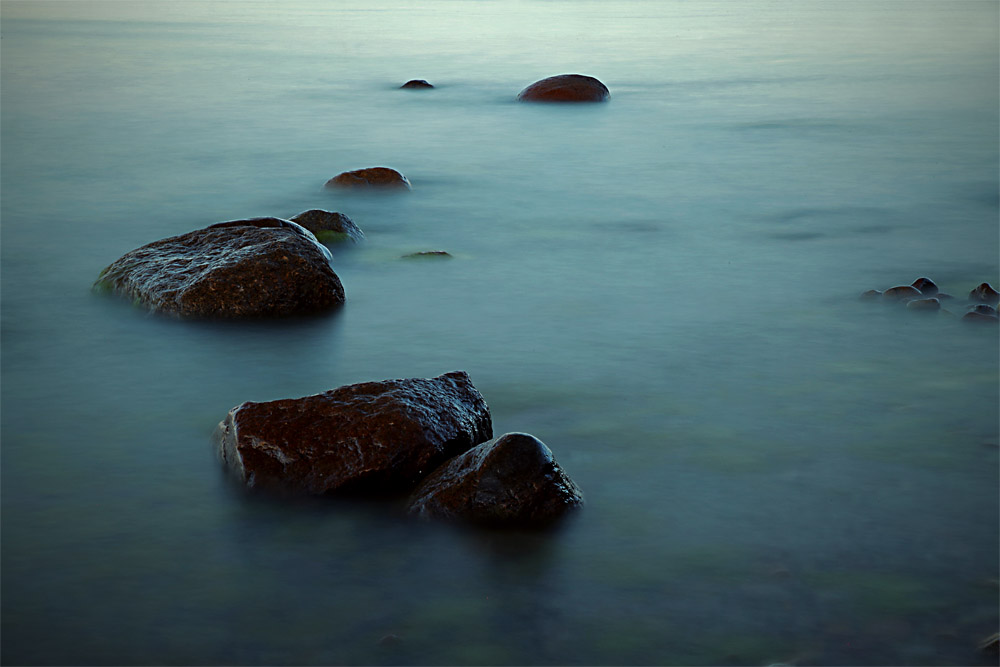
925,305
423,254
382,178
373,437
329,226
254,268
512,480
565,88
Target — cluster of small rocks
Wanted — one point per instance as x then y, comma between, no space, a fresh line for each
923,295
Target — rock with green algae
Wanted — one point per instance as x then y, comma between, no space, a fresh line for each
329,226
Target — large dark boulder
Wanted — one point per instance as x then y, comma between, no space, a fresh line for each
381,178
565,88
261,267
374,437
513,480
329,226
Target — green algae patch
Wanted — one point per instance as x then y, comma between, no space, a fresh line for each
331,236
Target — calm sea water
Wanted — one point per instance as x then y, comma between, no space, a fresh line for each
662,288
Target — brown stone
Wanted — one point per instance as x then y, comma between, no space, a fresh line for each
329,226
512,480
984,293
565,88
871,295
902,292
373,437
926,286
373,177
261,267
417,84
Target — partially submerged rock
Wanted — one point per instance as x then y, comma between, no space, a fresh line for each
329,226
512,480
902,293
982,313
565,88
871,294
373,437
924,305
984,293
417,84
926,286
255,268
382,178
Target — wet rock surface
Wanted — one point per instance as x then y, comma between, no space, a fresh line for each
513,480
416,84
382,178
254,268
374,437
329,226
566,88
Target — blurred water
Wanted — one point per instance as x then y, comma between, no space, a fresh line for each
661,288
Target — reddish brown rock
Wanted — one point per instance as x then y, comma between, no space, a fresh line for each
416,84
256,268
902,293
511,480
565,88
926,286
329,226
374,437
984,293
382,178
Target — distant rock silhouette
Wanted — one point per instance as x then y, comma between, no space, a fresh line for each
370,178
417,84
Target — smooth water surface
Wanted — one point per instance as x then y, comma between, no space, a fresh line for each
662,288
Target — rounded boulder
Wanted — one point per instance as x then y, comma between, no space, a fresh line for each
382,178
566,88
